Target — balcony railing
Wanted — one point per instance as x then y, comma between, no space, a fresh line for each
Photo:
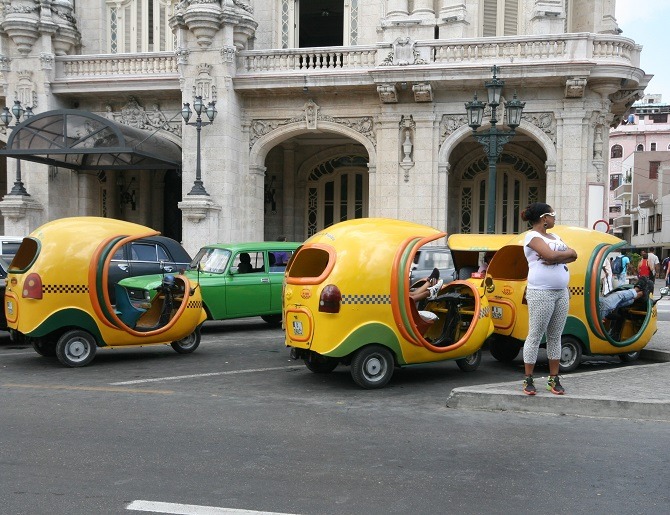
434,57
622,221
623,192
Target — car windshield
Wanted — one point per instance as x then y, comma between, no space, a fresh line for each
209,260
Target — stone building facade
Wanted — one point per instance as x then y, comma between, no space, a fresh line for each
327,110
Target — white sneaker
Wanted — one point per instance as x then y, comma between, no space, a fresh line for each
435,289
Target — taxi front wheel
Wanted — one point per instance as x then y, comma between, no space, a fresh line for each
372,367
470,363
187,344
76,348
571,354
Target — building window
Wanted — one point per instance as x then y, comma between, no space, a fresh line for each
500,18
640,147
653,169
659,118
139,26
652,147
615,181
650,224
659,218
617,152
635,227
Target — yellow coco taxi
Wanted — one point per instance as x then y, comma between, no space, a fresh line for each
57,294
585,332
347,300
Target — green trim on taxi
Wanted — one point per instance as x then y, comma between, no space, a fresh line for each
367,334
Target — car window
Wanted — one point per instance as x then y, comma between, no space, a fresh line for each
162,254
143,252
257,262
439,260
10,248
118,255
213,261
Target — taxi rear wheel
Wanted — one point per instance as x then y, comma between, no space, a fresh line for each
571,354
44,348
470,363
629,356
504,348
76,348
372,366
187,344
320,364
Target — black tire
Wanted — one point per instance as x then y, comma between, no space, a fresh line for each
372,367
76,348
44,348
504,349
571,354
187,344
272,319
470,363
629,356
320,364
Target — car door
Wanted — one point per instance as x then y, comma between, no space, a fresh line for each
249,293
119,268
149,257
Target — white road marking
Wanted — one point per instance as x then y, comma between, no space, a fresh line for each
18,353
192,509
209,374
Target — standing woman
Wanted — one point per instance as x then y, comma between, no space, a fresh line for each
547,293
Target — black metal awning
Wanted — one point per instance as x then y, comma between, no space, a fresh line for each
80,140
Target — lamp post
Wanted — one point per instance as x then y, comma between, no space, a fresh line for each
210,110
6,118
493,139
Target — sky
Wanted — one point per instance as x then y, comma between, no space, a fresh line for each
646,22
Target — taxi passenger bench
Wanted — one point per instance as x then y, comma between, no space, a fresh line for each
454,311
149,316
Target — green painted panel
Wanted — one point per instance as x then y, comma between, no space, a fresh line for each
364,335
68,318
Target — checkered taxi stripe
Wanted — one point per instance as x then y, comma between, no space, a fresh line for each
366,299
194,304
64,288
484,312
576,290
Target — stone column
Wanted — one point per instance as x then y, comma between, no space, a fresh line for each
389,175
288,190
397,9
143,198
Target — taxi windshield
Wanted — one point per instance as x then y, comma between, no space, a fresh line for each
209,260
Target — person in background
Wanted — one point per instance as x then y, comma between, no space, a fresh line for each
546,293
664,270
487,259
653,263
606,277
625,261
281,257
643,268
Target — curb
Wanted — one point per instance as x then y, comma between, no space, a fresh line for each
655,355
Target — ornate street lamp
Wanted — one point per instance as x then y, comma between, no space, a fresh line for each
493,139
210,111
6,118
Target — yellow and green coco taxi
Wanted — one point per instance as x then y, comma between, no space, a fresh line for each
346,301
585,333
57,294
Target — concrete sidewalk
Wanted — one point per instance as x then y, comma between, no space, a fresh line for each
628,392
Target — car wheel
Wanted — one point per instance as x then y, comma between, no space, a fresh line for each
504,349
571,354
44,348
372,366
272,319
76,348
187,344
320,364
470,363
629,356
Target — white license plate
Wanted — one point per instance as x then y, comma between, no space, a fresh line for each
297,328
10,307
496,312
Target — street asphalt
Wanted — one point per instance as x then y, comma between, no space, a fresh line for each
638,392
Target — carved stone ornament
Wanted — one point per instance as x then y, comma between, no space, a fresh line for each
423,92
546,122
311,114
134,115
259,127
228,54
203,19
204,84
404,53
388,93
182,55
449,123
575,87
21,25
25,89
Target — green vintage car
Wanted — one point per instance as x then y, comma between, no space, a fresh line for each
237,280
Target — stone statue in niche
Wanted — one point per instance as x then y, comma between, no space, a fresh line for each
311,114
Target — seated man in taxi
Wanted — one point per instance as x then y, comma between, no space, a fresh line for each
624,298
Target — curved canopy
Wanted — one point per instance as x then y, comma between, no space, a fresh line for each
80,140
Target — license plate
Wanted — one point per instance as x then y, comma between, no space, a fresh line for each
496,312
297,328
10,307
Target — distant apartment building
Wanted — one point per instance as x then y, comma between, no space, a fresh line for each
639,172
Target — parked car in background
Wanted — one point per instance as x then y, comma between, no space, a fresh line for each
237,280
4,266
8,246
154,255
429,257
